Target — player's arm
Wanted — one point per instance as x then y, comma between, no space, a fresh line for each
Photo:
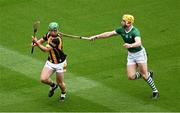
104,35
137,43
39,44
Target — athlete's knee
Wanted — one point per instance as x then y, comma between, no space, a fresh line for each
144,75
131,77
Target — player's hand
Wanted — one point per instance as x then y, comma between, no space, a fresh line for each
34,40
126,45
33,45
93,38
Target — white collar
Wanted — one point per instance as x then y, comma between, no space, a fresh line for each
129,30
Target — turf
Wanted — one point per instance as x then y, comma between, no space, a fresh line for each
96,76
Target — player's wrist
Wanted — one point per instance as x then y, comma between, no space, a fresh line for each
36,43
93,38
131,45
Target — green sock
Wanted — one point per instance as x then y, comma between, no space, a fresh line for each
137,75
151,84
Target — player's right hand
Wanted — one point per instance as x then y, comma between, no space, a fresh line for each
93,38
34,39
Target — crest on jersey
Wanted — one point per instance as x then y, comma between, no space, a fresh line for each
126,36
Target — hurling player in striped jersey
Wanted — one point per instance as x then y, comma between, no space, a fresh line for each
56,61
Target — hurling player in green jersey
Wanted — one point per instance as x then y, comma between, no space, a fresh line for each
137,57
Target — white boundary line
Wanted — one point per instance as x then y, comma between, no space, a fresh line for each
100,94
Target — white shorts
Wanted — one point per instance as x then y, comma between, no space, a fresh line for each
137,57
59,68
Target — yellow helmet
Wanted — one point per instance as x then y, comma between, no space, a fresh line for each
128,18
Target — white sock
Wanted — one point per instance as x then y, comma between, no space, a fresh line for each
63,95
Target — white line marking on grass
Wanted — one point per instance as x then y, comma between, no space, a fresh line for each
118,101
86,88
20,63
32,67
78,83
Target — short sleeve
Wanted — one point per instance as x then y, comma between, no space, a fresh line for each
118,30
136,33
45,37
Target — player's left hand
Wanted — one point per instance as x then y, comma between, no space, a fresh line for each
126,45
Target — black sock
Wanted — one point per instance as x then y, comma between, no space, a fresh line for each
53,84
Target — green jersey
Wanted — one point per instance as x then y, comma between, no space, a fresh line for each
129,37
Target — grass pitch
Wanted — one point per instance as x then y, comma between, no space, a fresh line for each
96,77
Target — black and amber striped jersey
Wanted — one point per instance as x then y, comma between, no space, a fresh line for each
56,55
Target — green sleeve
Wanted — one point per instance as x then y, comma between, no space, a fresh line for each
118,30
136,33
